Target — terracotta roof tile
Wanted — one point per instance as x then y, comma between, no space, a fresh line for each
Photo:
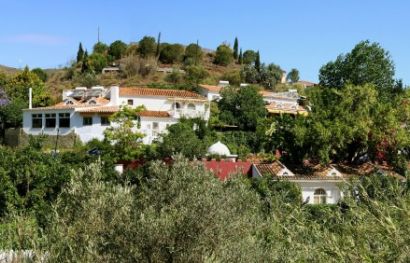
100,109
271,169
136,91
211,88
158,114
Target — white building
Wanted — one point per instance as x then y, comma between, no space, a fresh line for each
322,187
212,92
86,112
283,102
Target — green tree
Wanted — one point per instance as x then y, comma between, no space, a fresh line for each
122,135
182,131
258,62
270,76
97,62
223,55
242,107
171,53
367,63
193,54
85,65
249,57
18,88
80,53
195,74
100,48
40,73
146,47
240,57
235,49
293,75
117,49
351,123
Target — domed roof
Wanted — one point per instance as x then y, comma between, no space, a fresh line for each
219,149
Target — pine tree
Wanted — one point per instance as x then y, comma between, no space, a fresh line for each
258,62
80,53
240,57
158,45
85,66
235,48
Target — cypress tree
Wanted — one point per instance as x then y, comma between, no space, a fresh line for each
80,53
85,66
235,48
158,45
258,62
240,57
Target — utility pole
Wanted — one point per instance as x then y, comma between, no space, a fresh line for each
196,52
98,34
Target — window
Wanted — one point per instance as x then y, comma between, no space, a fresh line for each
155,126
64,120
87,121
191,106
176,106
105,120
319,197
37,120
50,120
130,102
285,174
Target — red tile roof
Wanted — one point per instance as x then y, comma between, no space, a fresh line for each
211,88
100,109
136,91
223,169
158,114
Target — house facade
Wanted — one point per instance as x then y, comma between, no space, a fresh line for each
86,112
283,102
321,187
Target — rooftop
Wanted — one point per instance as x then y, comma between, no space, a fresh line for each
144,91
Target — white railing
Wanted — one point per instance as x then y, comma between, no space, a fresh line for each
180,113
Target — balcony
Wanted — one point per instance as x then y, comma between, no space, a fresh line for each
186,113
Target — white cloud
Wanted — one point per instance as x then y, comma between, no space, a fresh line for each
37,39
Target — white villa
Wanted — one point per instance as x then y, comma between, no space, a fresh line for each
283,102
86,112
321,187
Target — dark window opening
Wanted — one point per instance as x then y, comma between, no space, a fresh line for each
87,121
64,120
105,120
37,121
50,120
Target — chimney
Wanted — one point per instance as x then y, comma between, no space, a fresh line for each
115,96
30,98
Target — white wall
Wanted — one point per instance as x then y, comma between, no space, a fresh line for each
86,133
332,190
147,127
155,103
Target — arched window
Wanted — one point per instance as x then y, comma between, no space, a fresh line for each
319,197
191,106
176,106
92,102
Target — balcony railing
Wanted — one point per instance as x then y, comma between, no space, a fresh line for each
185,113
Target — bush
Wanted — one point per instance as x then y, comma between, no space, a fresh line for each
134,65
117,49
147,47
171,53
193,54
224,55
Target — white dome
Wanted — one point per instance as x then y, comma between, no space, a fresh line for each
219,149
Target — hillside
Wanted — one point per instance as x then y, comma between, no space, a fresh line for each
167,65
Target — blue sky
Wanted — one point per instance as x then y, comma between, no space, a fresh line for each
299,33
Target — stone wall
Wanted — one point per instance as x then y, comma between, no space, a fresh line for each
18,138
